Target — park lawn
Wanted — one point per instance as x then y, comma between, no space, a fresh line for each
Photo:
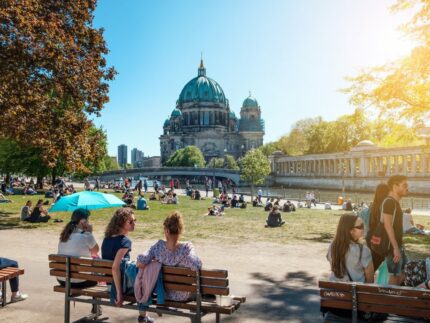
236,226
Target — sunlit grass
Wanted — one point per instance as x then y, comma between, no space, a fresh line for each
236,226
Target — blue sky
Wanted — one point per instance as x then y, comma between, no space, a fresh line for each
293,55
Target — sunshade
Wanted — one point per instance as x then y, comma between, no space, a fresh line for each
86,200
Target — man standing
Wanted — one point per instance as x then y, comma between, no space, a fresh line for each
393,224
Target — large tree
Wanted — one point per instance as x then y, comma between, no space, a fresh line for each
190,156
400,88
53,75
254,168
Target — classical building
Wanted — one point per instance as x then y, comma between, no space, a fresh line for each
202,117
361,168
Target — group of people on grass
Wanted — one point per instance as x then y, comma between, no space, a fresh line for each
77,239
350,254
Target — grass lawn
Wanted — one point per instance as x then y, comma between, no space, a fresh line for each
236,226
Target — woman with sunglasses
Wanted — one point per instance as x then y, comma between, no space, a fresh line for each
350,259
116,245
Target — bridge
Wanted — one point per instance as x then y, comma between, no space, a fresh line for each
158,172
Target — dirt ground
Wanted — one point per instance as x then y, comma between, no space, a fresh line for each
279,281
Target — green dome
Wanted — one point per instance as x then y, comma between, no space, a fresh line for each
250,102
176,113
232,115
202,89
166,123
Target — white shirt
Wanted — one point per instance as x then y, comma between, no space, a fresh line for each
78,245
407,217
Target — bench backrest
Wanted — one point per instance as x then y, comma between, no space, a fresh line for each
213,282
404,301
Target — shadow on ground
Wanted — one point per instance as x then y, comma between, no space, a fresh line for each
295,298
9,220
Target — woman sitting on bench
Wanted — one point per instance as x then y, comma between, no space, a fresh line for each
349,258
172,252
77,240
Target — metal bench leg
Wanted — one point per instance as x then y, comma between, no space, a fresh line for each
96,310
3,296
218,317
67,293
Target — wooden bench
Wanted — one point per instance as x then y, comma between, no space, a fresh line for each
400,301
5,275
202,282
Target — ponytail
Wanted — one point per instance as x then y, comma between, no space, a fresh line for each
67,231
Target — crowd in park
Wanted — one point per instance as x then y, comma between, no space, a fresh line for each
367,247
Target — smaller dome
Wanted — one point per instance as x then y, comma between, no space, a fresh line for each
166,123
365,143
250,102
176,113
232,115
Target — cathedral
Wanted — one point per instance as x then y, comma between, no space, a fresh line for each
203,118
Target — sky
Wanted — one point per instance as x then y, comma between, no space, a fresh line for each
293,55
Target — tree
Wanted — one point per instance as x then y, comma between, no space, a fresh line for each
254,168
215,162
230,162
400,88
189,156
53,75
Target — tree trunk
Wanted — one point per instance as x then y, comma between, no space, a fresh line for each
54,175
252,191
39,182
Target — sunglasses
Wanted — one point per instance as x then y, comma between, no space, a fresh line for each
360,227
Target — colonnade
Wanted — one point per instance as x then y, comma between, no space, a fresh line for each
381,162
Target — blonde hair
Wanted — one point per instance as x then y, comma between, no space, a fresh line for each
174,223
120,217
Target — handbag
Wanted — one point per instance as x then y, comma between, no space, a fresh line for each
379,242
415,273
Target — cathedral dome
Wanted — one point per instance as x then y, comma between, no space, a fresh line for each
202,89
250,102
176,113
232,115
166,123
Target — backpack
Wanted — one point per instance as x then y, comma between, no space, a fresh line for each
415,273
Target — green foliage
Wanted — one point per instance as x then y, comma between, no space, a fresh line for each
189,156
215,162
110,163
254,167
16,158
400,88
230,162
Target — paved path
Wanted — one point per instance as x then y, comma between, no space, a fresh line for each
280,281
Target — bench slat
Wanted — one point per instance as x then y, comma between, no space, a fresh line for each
80,268
98,292
82,261
96,278
217,282
390,300
178,271
215,273
334,294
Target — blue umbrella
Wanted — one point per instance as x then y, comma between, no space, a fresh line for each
86,200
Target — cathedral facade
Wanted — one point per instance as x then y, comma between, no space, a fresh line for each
202,117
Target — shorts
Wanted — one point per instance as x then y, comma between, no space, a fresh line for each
393,268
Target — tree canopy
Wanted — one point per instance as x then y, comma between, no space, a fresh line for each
316,136
400,88
190,156
227,162
53,75
254,168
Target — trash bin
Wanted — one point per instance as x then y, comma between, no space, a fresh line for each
340,200
216,192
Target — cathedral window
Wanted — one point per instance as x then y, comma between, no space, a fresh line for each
206,118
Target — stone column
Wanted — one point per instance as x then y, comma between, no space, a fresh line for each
352,166
405,164
414,164
423,164
396,164
388,173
